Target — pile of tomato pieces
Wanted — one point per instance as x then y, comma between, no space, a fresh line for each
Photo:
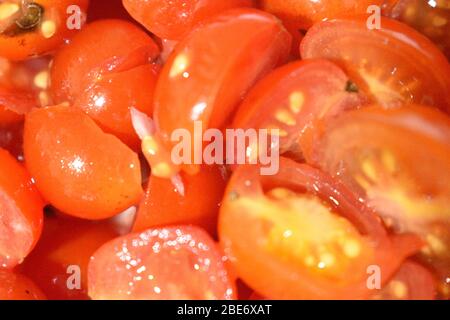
93,207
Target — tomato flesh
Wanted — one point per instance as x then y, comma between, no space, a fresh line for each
393,65
158,264
374,152
292,97
301,235
21,210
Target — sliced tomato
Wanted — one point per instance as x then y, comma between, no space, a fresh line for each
33,28
60,260
398,162
23,86
14,286
302,235
411,282
304,13
209,73
293,96
66,150
111,78
21,210
163,205
158,264
429,17
394,64
172,19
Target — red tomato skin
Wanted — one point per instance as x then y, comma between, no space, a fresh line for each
21,205
14,286
431,69
159,264
164,206
26,45
66,243
65,150
304,13
172,20
100,75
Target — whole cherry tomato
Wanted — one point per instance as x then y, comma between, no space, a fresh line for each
157,264
302,235
163,205
292,97
207,76
21,209
78,168
60,260
30,28
397,161
14,286
394,64
172,19
100,75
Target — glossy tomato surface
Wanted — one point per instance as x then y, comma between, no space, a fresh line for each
170,19
77,167
157,264
14,286
100,75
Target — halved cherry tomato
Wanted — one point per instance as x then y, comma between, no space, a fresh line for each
304,13
302,235
163,205
209,73
32,28
432,18
172,19
21,209
411,282
102,76
77,167
398,162
23,86
158,264
394,64
14,286
61,256
293,96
